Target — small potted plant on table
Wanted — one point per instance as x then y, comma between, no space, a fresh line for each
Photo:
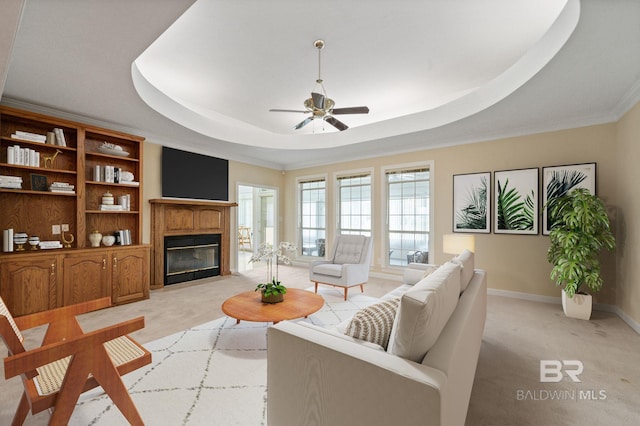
273,291
580,231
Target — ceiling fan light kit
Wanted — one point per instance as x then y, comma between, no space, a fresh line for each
322,107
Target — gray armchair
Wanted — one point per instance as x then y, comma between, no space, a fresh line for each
348,265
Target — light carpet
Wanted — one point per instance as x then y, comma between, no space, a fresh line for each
215,373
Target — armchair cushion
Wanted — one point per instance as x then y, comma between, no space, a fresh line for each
349,249
424,311
333,269
373,323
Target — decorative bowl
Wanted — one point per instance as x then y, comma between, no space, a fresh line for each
19,239
108,240
34,241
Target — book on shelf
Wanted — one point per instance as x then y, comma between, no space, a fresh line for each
28,136
10,182
123,237
125,202
16,155
60,140
62,187
46,245
7,240
111,208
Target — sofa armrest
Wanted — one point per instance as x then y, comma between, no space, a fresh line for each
318,378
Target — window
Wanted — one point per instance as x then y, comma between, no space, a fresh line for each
354,203
313,217
407,215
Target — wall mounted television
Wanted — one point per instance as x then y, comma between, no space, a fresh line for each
190,175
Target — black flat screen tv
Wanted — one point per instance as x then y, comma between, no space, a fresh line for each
190,175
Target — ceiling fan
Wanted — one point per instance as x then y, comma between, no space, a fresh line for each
322,107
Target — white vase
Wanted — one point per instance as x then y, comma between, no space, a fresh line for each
579,306
94,238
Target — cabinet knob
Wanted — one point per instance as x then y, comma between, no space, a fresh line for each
53,269
115,262
104,263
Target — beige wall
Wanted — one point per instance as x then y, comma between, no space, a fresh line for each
239,173
628,229
514,262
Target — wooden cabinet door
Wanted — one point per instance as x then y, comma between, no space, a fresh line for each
130,274
85,277
29,285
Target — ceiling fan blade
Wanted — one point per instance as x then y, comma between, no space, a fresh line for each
318,100
304,122
336,123
351,110
287,110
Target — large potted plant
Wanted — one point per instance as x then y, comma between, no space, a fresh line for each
580,231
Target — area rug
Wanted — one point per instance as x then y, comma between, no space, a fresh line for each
212,374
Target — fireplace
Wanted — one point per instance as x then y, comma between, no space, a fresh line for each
191,257
181,218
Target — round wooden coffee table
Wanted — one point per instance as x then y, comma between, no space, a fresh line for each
248,306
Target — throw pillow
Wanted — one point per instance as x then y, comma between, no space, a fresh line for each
424,311
373,324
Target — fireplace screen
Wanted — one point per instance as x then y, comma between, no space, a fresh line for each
191,257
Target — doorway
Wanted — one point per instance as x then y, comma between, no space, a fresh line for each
257,224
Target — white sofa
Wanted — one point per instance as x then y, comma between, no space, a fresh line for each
320,376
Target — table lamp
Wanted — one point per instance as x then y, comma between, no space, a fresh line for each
457,243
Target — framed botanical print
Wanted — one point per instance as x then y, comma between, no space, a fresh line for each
516,201
472,202
560,180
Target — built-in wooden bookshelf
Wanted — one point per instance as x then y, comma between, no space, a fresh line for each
35,211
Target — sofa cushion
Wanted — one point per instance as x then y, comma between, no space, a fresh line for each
424,311
373,323
349,249
412,275
466,262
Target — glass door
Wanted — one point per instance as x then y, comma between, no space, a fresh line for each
256,222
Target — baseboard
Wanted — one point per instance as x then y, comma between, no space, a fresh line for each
557,300
619,312
524,296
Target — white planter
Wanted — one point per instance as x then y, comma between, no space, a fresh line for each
578,306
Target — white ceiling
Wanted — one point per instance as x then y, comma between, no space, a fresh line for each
433,73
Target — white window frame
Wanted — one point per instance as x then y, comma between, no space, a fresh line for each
353,173
300,180
429,164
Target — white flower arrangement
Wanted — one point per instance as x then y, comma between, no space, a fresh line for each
266,252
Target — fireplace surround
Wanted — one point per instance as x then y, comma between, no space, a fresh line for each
186,218
191,257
